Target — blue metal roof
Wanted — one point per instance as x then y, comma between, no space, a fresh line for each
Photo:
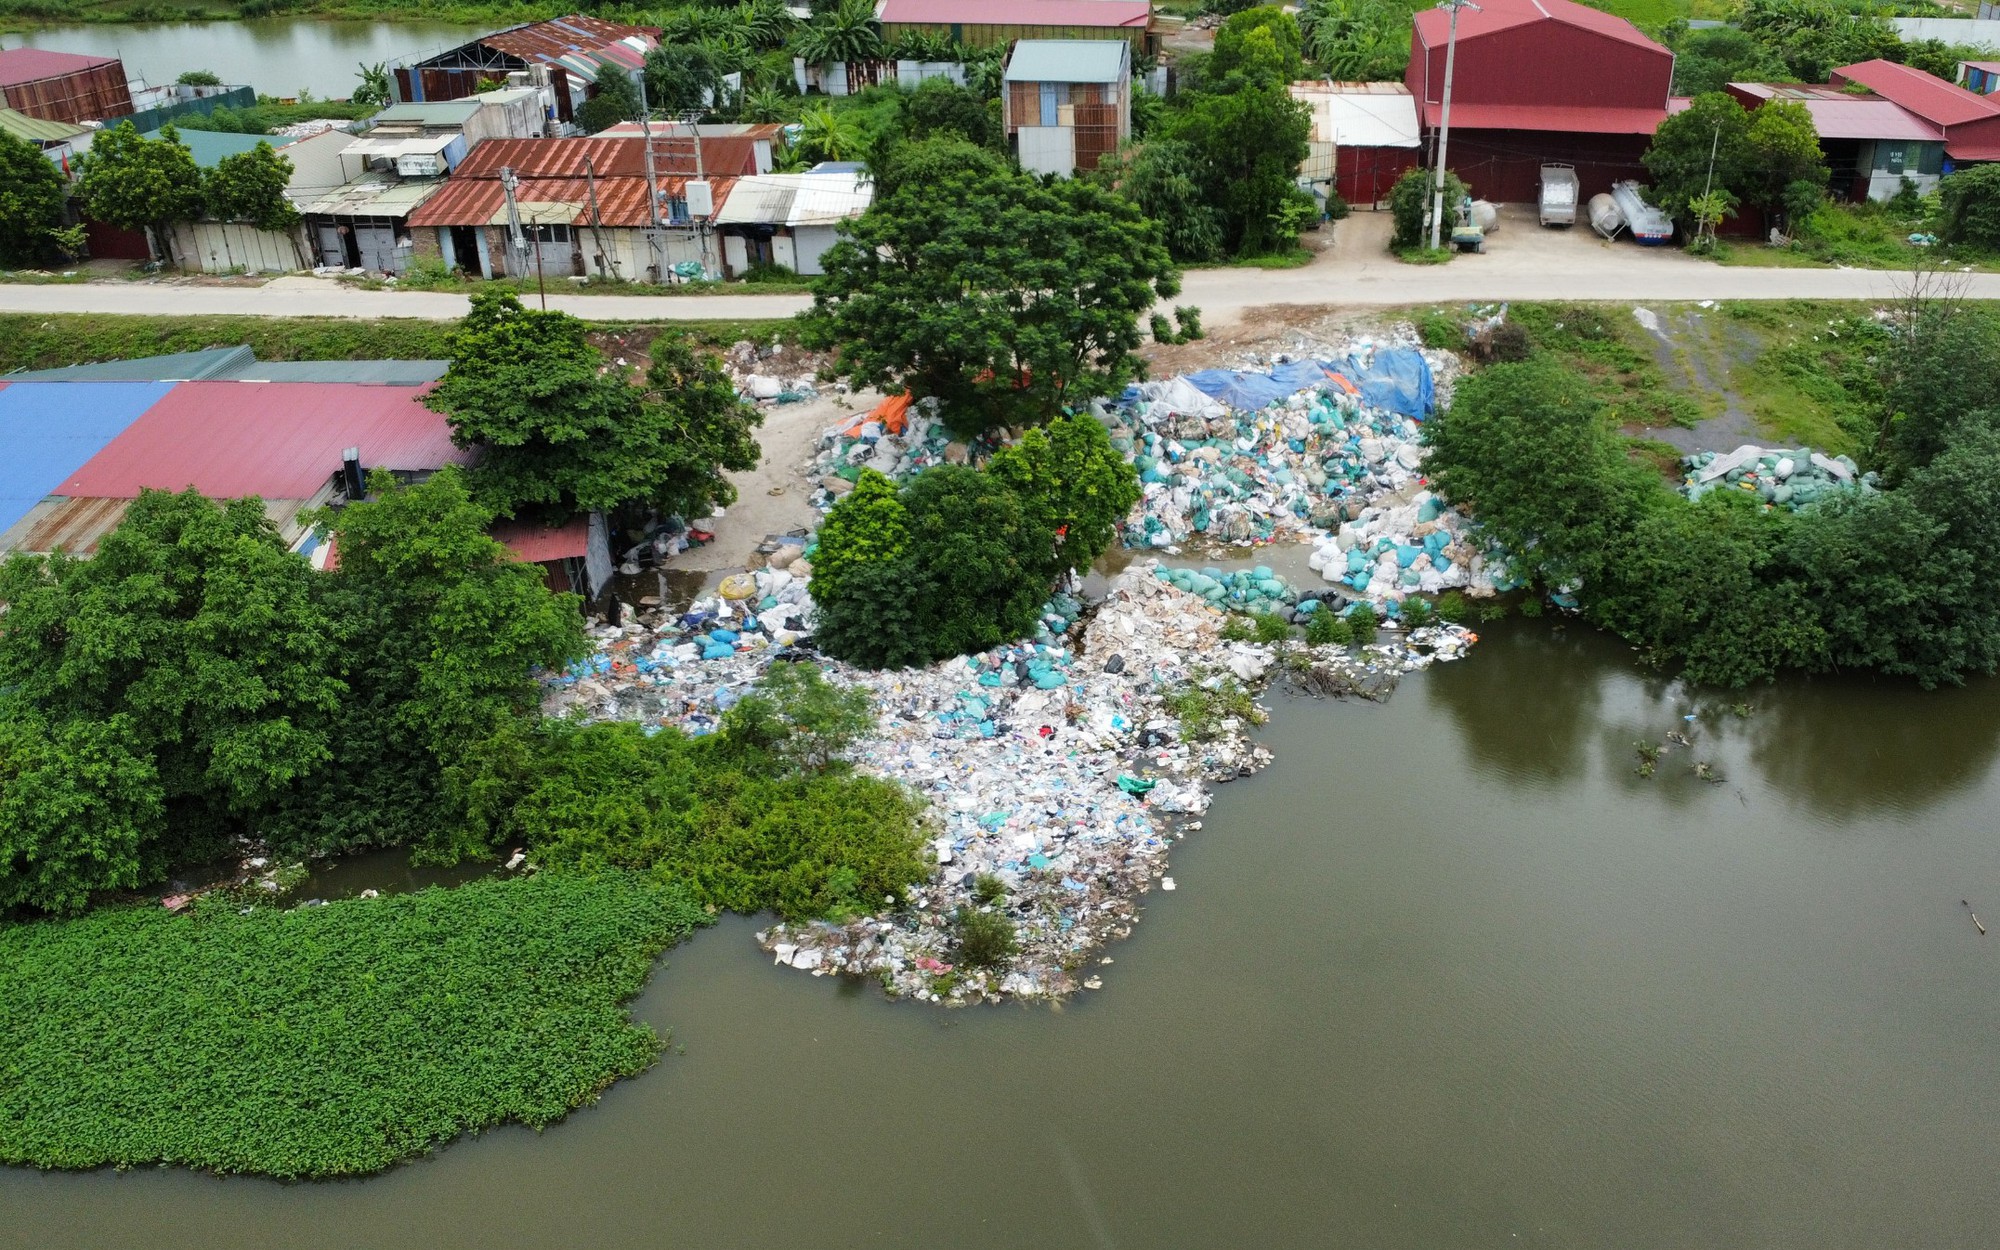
209,147
50,430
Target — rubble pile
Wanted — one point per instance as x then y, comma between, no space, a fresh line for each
1781,478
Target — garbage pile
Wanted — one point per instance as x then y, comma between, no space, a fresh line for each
1415,546
767,374
896,439
1257,590
1781,478
1057,768
1253,458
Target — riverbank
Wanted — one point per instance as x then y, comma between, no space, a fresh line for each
23,16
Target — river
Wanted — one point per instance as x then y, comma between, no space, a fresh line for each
276,55
1449,973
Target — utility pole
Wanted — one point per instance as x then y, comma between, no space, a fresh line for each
655,243
508,185
596,218
1708,183
1444,118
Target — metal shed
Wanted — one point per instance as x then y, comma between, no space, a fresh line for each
64,86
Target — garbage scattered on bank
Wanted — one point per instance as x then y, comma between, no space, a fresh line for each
1057,767
1781,478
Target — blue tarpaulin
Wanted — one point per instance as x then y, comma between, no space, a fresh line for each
1398,379
48,430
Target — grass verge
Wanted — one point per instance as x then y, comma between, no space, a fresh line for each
324,1041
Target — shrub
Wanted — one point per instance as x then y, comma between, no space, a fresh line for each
1970,202
1452,607
988,889
1416,613
766,271
1362,624
1239,628
1189,318
1162,328
1337,208
984,939
1327,628
1440,330
1410,206
1270,627
1201,707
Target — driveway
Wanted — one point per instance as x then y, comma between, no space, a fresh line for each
1522,262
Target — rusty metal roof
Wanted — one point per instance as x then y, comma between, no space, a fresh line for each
621,201
558,37
721,157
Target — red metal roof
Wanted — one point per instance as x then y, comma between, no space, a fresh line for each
621,201
550,40
536,543
1838,114
721,157
279,440
1926,95
1434,25
1562,118
1109,13
25,65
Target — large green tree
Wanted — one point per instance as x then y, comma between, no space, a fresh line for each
196,632
1162,176
999,294
560,432
1711,58
440,630
1248,144
135,183
78,808
1704,144
1258,45
250,186
31,201
1073,483
1813,37
616,100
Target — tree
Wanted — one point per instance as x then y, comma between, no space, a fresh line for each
135,183
1411,201
1356,40
1257,46
1071,483
1000,295
1710,59
682,78
796,715
1713,128
1813,38
828,135
77,809
1161,176
195,630
1249,144
1936,57
198,78
440,631
617,100
374,88
31,201
1970,203
766,24
973,575
841,35
562,435
1782,167
868,526
940,107
250,186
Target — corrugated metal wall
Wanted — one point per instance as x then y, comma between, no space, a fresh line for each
989,36
95,94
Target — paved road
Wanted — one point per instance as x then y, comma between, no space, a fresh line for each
1541,269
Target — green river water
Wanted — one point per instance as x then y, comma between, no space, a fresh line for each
1448,974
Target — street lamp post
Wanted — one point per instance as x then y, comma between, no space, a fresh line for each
1444,118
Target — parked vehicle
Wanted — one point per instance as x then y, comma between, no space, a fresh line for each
1648,225
1559,192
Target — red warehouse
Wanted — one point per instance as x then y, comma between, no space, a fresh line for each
1539,81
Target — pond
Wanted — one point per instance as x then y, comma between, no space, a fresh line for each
1449,973
279,56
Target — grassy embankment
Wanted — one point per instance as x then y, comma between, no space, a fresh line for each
36,341
323,1041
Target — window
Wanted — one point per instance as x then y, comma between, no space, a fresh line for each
549,234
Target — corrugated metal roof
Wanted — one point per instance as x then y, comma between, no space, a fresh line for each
172,367
1119,13
621,202
375,195
764,200
536,543
209,146
37,130
393,146
796,200
1838,114
721,156
74,525
1433,26
550,40
1929,97
279,440
1560,118
432,113
48,429
1068,60
25,65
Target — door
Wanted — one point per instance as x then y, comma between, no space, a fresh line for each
465,249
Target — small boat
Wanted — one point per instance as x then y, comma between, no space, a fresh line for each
1648,224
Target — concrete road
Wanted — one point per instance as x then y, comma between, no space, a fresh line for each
1523,262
